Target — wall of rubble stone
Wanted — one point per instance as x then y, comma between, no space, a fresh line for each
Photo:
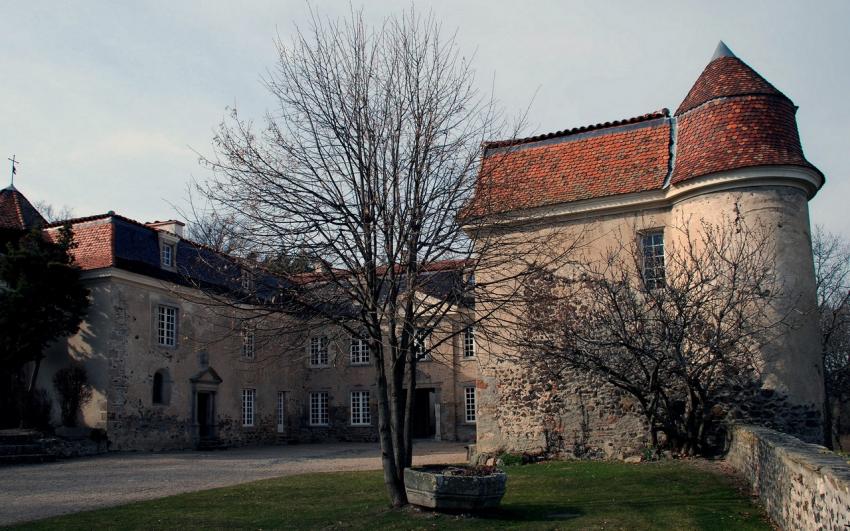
523,411
801,485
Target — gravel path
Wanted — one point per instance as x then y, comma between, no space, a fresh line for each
29,492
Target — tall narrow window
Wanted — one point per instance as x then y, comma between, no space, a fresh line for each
319,409
166,255
420,345
319,351
652,249
249,397
359,351
360,414
166,325
247,341
469,403
247,280
280,409
469,342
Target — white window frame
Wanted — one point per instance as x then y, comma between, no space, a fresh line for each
361,415
249,403
469,346
248,341
469,404
166,325
280,411
166,254
421,341
652,258
358,351
318,414
247,281
319,354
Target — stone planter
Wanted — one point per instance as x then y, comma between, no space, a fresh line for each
449,488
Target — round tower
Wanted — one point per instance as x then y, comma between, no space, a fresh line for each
737,155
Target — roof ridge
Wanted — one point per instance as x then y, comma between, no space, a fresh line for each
661,113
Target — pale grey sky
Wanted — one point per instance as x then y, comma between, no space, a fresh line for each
103,101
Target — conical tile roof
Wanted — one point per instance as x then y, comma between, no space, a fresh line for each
726,75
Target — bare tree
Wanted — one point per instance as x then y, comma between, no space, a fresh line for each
672,332
53,214
365,166
832,277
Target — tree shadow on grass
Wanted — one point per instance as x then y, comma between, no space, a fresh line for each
529,512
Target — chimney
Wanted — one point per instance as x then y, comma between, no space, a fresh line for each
172,225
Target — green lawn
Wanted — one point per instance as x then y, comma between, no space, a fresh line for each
557,495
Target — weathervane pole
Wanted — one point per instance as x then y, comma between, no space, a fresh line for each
14,170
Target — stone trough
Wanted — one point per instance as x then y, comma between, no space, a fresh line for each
451,488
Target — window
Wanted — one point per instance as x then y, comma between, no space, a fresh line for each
166,325
319,409
280,409
360,413
652,247
247,281
166,254
469,342
319,351
359,351
248,399
158,388
247,341
420,345
469,403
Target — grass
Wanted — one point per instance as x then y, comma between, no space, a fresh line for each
556,495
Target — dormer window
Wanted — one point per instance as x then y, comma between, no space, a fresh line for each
168,250
167,255
247,281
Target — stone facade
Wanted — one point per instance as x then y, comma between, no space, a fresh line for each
118,346
802,486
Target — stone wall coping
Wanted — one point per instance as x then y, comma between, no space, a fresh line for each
814,457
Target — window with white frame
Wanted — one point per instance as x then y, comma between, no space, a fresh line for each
652,250
166,325
360,413
247,281
319,351
469,403
249,397
247,341
359,351
166,254
420,345
469,342
319,409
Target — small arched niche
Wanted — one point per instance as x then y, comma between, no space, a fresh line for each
161,392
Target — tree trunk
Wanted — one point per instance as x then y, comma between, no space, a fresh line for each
395,488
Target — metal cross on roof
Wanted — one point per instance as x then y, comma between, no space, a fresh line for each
14,170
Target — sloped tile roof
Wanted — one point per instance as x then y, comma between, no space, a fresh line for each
16,212
601,162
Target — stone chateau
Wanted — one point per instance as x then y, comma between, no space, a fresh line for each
171,372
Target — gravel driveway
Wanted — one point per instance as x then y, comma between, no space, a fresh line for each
29,492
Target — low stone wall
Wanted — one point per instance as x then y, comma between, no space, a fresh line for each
801,485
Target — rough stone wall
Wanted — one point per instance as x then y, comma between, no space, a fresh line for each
802,486
117,345
516,415
578,417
